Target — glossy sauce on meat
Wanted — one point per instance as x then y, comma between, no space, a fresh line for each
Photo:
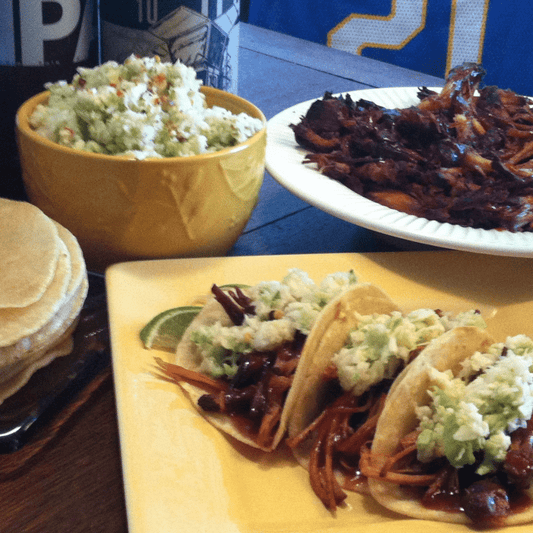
464,156
260,385
487,501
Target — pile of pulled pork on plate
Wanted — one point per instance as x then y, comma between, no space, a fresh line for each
463,156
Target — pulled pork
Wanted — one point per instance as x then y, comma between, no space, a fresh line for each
254,397
464,156
487,500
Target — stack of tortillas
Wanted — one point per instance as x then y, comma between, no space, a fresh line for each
43,284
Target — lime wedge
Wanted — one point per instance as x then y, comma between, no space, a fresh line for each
165,330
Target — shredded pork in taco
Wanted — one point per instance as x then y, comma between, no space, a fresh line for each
238,358
353,383
455,441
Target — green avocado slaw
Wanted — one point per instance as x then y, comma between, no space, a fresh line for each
478,409
381,344
142,108
281,308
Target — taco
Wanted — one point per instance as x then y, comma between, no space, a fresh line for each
455,439
239,356
343,381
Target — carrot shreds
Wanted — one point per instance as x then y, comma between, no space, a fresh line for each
268,425
409,439
321,473
391,461
295,441
315,476
177,374
398,478
365,432
332,486
367,463
348,408
332,428
376,466
327,470
341,405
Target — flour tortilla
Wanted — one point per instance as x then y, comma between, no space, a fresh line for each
188,355
399,418
18,323
77,261
29,251
48,336
42,323
341,316
45,284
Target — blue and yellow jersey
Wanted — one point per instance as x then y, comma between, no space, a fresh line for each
429,36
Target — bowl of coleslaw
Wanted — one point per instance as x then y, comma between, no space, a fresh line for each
139,161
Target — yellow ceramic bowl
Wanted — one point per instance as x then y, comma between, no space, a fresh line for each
124,209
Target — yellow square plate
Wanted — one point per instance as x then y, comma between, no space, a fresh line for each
181,474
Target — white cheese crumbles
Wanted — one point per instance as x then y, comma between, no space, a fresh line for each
281,309
142,108
381,344
479,409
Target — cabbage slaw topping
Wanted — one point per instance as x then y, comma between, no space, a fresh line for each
380,344
144,108
281,308
477,410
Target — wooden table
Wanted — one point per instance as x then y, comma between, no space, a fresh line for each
70,480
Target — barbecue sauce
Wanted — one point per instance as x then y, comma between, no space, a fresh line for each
486,501
254,390
487,507
355,482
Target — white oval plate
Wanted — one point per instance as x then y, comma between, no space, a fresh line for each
284,161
